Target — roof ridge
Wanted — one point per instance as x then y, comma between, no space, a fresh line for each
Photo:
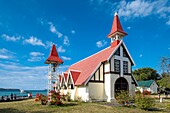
90,56
75,70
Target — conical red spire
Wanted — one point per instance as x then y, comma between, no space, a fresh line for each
53,57
116,27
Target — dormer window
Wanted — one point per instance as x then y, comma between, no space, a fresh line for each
125,53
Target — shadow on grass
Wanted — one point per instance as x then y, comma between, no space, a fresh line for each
10,110
68,104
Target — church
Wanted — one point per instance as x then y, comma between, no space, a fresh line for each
100,76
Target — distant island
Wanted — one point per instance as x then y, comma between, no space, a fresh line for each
7,89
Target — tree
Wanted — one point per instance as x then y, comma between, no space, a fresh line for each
164,82
165,65
145,74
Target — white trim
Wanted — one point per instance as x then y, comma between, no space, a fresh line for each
114,50
69,74
129,54
75,70
92,74
65,81
121,42
135,80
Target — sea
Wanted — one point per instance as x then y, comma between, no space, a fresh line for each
23,94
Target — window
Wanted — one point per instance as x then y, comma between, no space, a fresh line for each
125,66
125,53
117,52
117,65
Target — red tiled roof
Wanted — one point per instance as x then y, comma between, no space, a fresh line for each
89,65
60,78
75,75
116,26
53,57
65,76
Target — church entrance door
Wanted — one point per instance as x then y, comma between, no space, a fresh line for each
121,84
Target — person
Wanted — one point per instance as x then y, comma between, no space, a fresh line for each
7,98
30,95
15,96
11,96
2,98
159,93
166,94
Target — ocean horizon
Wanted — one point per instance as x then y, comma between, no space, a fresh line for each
18,93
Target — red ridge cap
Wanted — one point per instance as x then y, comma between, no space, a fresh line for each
53,57
116,27
115,43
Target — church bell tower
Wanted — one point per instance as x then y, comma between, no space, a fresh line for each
117,32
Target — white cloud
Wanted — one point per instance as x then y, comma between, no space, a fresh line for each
73,32
66,41
35,59
61,49
36,54
3,57
168,22
25,77
34,41
101,43
65,58
6,54
11,38
54,30
129,27
135,8
140,55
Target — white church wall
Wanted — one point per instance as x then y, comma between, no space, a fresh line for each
96,91
107,88
129,80
107,67
114,77
83,92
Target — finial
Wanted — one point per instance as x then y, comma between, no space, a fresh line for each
116,13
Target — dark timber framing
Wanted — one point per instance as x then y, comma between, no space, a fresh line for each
98,70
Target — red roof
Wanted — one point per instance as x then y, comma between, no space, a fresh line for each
60,78
75,75
53,57
65,76
87,66
116,27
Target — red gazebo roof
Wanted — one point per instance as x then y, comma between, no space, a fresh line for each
53,57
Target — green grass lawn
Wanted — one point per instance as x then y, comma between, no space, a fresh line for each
29,106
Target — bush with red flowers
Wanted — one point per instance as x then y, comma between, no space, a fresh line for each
145,92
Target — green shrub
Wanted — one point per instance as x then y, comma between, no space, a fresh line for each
144,102
123,98
79,99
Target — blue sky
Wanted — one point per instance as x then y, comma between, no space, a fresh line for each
79,28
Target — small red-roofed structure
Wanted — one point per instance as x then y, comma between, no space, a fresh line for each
53,57
54,78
